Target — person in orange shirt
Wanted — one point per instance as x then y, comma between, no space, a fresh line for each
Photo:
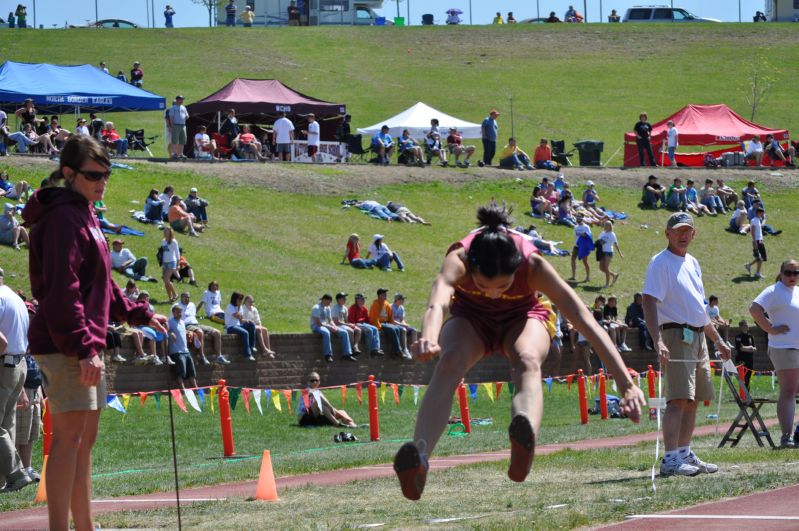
179,219
381,317
542,159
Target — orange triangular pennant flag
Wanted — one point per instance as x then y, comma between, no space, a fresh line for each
143,398
569,380
287,395
178,398
245,394
343,396
395,390
359,392
498,385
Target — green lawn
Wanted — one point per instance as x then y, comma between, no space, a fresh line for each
566,81
133,453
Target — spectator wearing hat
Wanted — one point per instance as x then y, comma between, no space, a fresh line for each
409,334
352,254
383,255
176,122
489,131
182,362
456,147
169,13
340,315
382,317
542,158
81,128
590,200
197,206
11,232
321,323
358,315
125,262
137,75
247,16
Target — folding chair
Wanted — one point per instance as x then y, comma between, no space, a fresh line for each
748,417
558,153
137,140
355,149
223,149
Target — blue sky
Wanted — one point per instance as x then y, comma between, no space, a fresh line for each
52,13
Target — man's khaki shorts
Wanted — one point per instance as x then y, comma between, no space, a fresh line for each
691,380
28,420
65,392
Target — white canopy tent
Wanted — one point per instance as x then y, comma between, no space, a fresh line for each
416,120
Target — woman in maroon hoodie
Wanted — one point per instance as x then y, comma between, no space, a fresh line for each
70,273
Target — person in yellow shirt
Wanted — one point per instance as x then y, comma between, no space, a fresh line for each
247,17
382,317
498,19
514,157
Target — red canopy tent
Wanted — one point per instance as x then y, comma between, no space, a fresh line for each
701,125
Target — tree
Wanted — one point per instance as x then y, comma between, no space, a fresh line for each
761,75
211,6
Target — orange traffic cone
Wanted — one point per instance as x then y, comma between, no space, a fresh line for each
266,489
41,491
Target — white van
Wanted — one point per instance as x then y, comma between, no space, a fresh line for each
782,10
319,12
662,14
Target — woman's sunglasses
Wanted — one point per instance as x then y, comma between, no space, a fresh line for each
312,380
791,273
95,176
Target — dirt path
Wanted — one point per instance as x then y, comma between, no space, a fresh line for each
343,179
36,518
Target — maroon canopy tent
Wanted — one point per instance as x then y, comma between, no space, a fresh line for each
258,102
701,125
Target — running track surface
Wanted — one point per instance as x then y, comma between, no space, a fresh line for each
781,502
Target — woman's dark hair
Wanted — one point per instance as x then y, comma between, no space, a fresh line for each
235,296
76,150
153,194
493,251
212,284
174,200
168,189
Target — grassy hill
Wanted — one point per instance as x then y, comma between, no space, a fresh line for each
567,81
278,232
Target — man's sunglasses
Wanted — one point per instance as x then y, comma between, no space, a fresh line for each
95,176
791,273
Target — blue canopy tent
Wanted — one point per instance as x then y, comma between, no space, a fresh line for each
59,89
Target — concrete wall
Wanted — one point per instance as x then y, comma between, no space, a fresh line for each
299,354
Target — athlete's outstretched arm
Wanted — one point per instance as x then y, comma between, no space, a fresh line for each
544,278
426,347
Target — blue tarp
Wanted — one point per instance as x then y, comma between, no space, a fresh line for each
59,89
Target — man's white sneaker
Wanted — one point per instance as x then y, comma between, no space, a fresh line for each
624,348
674,467
704,468
119,359
748,267
154,360
221,360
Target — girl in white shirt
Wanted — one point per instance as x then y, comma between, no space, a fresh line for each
671,142
609,241
212,300
169,262
250,314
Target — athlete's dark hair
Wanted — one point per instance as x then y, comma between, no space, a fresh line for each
493,251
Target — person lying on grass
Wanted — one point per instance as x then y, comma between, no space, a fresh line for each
490,283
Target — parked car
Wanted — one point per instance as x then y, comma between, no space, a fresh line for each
662,14
114,23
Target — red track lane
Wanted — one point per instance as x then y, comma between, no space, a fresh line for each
36,518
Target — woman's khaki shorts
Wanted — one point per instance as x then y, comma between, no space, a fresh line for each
65,392
784,358
687,381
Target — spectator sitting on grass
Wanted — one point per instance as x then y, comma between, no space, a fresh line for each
11,232
201,331
739,222
154,207
409,149
375,209
542,158
539,205
321,322
749,193
456,147
653,193
383,256
182,362
404,214
212,300
197,206
320,411
722,325
726,193
20,191
358,315
566,215
709,198
692,201
675,195
185,271
180,220
125,262
250,314
512,156
99,211
538,240
131,291
590,200
352,254
750,213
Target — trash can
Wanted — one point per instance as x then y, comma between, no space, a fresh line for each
380,21
589,151
399,21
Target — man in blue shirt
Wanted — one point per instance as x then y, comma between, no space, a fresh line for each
490,129
179,349
230,11
383,145
775,151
